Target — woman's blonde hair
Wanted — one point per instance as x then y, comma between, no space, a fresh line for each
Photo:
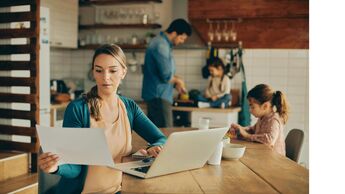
263,93
92,97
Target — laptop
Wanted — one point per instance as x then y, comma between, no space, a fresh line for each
183,151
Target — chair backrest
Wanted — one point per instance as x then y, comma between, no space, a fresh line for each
293,143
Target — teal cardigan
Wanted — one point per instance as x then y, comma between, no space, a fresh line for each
77,115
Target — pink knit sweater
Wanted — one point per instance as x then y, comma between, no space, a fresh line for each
269,130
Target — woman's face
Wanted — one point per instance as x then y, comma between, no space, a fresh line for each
108,73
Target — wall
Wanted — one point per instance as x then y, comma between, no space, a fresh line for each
283,69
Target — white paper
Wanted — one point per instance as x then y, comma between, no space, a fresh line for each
87,146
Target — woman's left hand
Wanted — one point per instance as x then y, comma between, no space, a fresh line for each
152,151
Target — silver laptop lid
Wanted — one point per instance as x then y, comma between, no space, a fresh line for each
186,150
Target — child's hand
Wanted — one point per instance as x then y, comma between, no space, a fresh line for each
206,95
232,133
235,126
214,98
233,130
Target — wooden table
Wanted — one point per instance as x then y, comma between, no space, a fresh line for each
259,171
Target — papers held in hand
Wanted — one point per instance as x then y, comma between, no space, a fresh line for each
87,146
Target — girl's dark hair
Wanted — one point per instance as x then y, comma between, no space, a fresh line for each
216,63
263,93
92,97
180,26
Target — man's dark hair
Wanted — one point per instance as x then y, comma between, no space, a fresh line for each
180,26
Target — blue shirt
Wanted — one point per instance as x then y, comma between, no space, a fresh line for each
77,115
159,68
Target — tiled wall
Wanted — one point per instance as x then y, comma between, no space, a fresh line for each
284,69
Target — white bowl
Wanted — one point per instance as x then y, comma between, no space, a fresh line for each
233,151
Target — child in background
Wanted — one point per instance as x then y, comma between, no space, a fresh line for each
271,109
217,93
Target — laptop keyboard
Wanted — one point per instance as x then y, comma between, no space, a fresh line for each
143,169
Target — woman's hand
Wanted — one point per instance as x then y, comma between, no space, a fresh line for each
48,162
152,151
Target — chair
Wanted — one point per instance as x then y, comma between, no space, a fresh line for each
293,143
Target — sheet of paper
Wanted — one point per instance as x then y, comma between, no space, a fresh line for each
86,146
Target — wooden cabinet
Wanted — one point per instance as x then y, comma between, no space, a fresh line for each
63,22
263,23
114,2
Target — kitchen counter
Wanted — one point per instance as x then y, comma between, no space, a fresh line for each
218,117
197,109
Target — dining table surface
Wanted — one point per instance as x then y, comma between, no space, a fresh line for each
260,170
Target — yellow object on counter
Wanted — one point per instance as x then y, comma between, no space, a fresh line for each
184,96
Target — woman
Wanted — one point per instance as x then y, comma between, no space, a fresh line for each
117,115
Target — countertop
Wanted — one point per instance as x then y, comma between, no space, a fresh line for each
197,109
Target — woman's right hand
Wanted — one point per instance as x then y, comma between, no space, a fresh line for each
48,162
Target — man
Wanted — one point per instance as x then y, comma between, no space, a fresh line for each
159,73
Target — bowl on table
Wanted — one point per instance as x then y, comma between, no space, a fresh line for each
233,151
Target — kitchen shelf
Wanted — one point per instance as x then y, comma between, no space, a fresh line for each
114,2
112,26
225,45
123,46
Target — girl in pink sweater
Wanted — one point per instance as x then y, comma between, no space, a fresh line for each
271,109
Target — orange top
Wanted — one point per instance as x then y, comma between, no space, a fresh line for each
102,179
